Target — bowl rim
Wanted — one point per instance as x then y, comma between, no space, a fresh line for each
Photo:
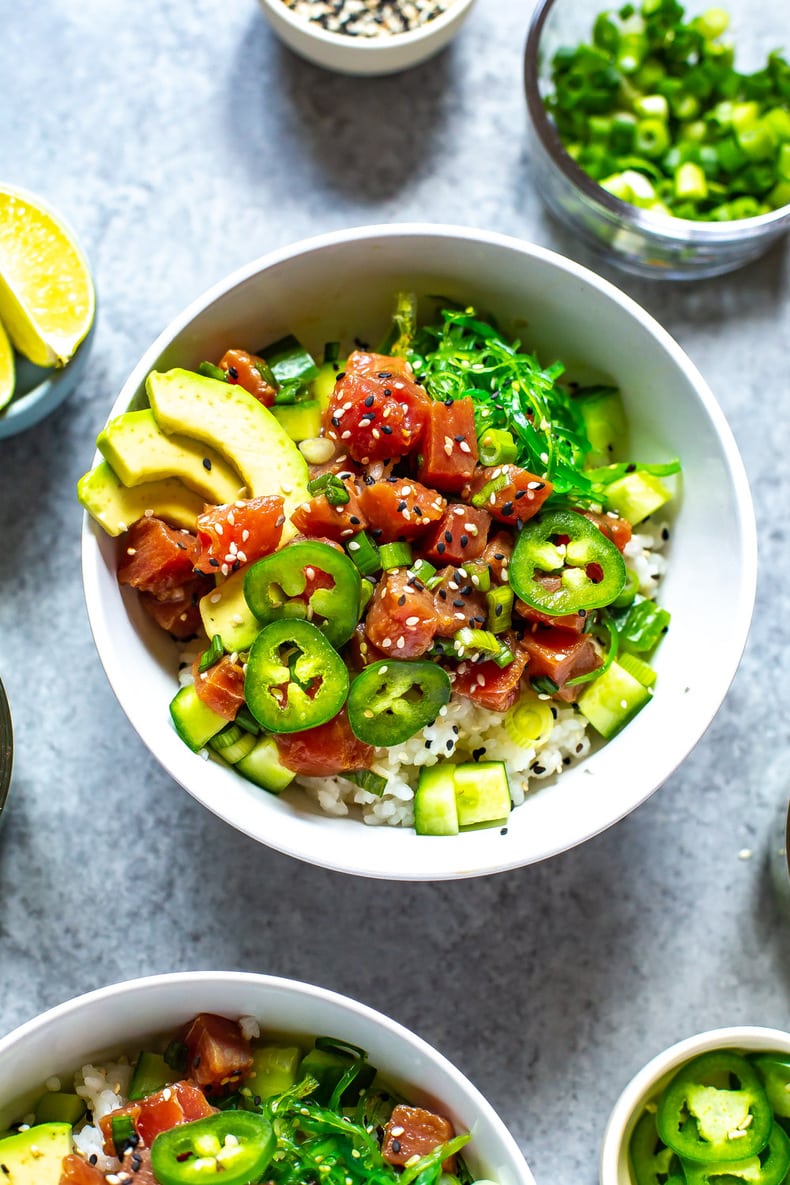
649,222
618,1125
747,568
382,41
6,747
141,986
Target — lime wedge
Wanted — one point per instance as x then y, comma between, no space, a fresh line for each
7,368
47,300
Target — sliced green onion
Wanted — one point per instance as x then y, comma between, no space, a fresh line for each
422,570
213,372
227,737
467,639
490,489
212,655
529,722
496,446
395,555
247,721
363,551
123,1133
368,780
479,575
332,487
500,608
636,666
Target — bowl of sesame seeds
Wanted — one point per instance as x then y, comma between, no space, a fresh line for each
366,36
339,287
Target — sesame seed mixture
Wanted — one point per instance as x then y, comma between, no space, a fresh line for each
368,18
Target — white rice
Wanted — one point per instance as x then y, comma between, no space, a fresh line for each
105,1089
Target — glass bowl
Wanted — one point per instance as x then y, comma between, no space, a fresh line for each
642,241
6,749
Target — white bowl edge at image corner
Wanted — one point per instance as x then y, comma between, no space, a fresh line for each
487,849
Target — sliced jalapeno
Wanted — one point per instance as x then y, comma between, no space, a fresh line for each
769,1168
231,1147
651,1161
308,580
295,679
391,700
563,563
715,1110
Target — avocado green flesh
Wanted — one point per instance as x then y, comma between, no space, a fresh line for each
138,450
232,421
225,612
35,1156
115,506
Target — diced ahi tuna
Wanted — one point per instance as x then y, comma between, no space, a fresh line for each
221,687
401,619
414,1131
457,603
448,450
516,495
219,1053
559,654
460,535
329,749
399,508
493,687
157,558
318,517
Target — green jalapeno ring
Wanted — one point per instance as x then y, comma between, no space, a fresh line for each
536,554
393,699
240,1143
753,1170
274,588
774,1070
295,680
703,1119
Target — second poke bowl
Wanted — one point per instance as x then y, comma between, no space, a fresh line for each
239,1078
482,610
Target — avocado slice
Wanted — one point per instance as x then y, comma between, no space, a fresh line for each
35,1156
115,506
225,611
139,451
227,417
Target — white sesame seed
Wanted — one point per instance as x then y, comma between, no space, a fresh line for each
412,621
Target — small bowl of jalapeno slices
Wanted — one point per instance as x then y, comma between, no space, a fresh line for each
243,1078
713,1108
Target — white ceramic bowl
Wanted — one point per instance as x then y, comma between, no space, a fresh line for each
118,1019
385,54
342,285
651,1080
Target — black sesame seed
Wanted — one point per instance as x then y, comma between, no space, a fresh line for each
385,428
377,533
402,599
520,494
665,534
335,422
538,769
441,548
396,1146
465,591
369,401
507,508
368,480
385,374
458,604
464,541
387,391
458,439
442,594
207,463
233,373
498,556
214,563
352,518
448,535
341,376
498,610
400,507
478,753
449,746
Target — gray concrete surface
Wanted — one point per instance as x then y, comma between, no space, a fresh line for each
183,140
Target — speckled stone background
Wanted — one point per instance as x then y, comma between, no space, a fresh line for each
182,140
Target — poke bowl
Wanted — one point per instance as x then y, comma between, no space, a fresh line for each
563,792
741,1072
178,1077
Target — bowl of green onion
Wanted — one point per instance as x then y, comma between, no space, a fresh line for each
661,134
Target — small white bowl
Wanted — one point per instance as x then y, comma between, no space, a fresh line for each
385,54
118,1019
650,1081
342,285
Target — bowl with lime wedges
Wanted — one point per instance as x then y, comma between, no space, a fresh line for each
47,310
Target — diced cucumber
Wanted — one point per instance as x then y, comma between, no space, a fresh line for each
262,765
482,793
323,384
328,1067
274,1070
613,699
194,721
435,810
224,611
636,495
302,421
605,424
57,1106
151,1073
